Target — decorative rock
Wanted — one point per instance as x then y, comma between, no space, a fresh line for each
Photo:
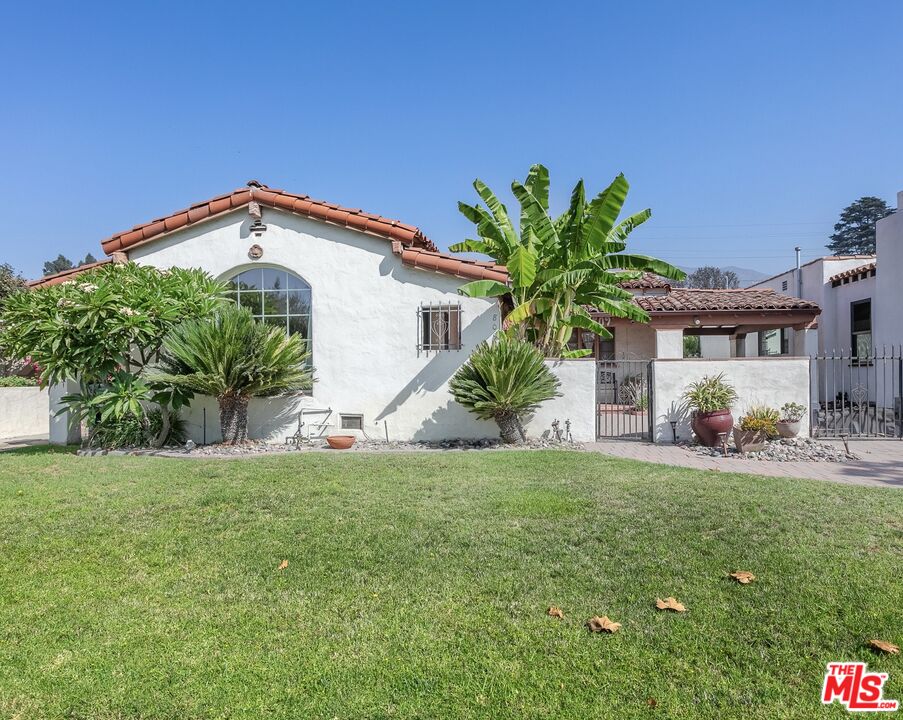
783,450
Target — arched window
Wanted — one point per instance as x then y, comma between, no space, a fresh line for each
275,297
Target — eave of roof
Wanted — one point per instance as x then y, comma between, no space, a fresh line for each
852,272
824,258
353,219
65,275
451,265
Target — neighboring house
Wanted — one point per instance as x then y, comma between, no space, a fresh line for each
860,296
380,307
857,370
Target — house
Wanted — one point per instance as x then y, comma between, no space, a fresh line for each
380,307
373,296
857,368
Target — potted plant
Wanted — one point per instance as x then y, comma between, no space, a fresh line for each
710,399
789,424
759,424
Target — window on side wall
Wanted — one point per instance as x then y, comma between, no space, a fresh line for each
438,327
774,342
861,328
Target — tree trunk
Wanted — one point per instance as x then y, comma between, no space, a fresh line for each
157,442
233,419
510,428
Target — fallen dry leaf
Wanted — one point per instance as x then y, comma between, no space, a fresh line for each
743,577
651,702
555,612
670,603
885,646
602,624
283,565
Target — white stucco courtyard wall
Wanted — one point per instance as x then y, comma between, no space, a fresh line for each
24,412
770,381
364,326
577,380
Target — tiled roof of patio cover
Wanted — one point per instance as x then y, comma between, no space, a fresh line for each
685,300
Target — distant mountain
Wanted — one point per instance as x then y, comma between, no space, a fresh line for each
747,276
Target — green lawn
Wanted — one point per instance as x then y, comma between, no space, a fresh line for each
417,587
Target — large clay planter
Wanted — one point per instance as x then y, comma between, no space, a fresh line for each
749,440
340,442
708,426
789,429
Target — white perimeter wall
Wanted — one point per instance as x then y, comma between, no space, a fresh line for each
769,381
578,390
24,412
364,320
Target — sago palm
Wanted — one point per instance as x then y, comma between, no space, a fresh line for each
504,380
234,358
560,266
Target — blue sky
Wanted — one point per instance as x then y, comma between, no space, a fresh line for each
746,127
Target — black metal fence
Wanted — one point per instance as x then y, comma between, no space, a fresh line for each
624,399
858,396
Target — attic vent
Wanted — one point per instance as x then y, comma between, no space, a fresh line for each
784,286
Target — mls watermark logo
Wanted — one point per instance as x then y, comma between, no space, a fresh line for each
856,688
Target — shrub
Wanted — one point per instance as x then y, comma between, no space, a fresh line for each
710,394
761,419
14,381
134,431
233,358
792,412
633,391
504,380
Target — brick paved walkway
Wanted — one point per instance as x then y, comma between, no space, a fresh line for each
880,463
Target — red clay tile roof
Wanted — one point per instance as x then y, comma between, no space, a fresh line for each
452,265
690,300
299,204
649,281
852,272
65,275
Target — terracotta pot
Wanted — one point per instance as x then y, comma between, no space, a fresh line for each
749,440
789,429
340,442
707,426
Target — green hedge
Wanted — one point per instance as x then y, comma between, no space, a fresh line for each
16,381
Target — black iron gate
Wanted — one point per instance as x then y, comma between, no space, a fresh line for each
624,399
858,396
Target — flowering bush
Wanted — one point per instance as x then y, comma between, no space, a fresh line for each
104,330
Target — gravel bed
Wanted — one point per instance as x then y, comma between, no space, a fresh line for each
372,446
783,450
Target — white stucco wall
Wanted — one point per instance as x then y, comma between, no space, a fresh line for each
887,317
758,381
364,325
24,412
578,390
669,343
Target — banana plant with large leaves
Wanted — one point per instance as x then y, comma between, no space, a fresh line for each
559,267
